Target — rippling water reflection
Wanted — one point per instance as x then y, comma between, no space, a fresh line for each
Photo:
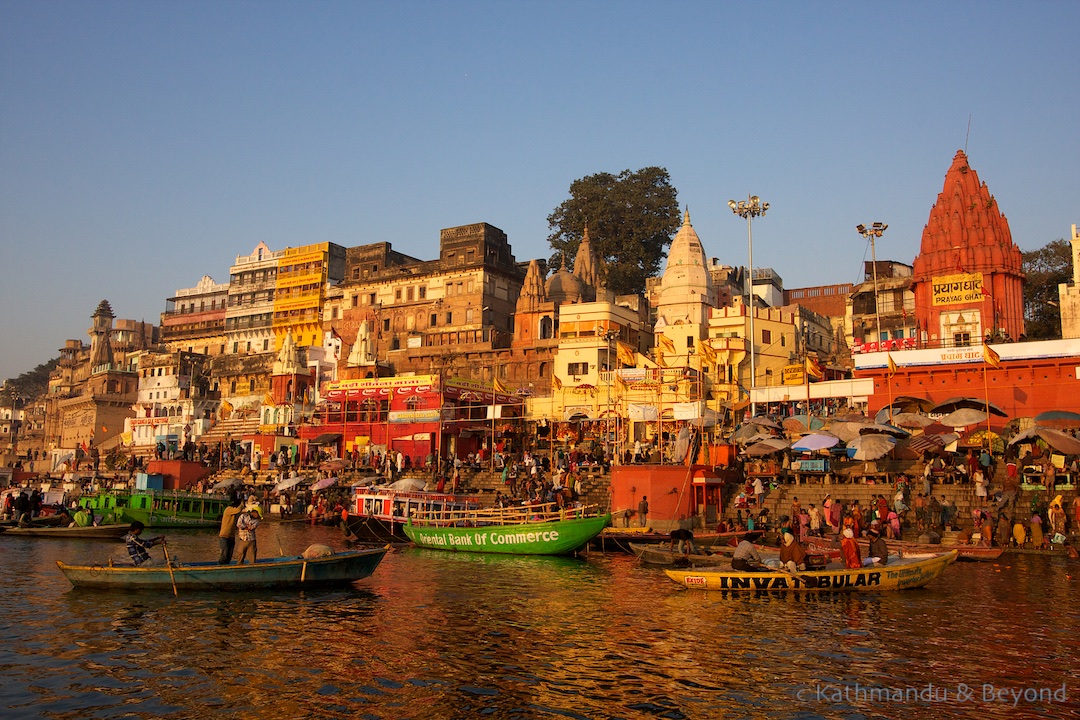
436,635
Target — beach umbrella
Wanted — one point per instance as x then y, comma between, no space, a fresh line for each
803,423
817,441
882,429
408,484
909,420
1059,419
870,447
959,403
964,417
766,447
1063,443
1029,434
763,422
288,483
909,403
228,483
324,483
844,430
924,443
332,465
750,433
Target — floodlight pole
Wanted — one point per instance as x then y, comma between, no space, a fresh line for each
749,209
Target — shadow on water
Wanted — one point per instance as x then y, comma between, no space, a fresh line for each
443,635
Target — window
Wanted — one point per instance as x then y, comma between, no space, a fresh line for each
783,340
333,313
449,317
355,300
397,295
236,347
434,320
409,295
251,385
766,337
371,298
266,345
689,341
581,368
386,324
469,315
421,292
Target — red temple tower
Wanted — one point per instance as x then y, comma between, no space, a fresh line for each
968,282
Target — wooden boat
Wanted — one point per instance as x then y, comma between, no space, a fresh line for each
662,554
619,539
904,547
902,574
159,508
90,532
379,513
525,530
340,568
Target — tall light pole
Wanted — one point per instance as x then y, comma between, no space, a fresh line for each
873,232
750,209
609,335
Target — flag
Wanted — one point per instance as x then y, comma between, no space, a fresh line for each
991,357
334,333
556,383
660,359
268,400
620,384
498,386
707,352
104,429
626,354
892,365
813,370
665,342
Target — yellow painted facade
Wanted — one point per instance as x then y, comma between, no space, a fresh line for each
299,294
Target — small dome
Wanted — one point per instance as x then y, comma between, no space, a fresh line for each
564,287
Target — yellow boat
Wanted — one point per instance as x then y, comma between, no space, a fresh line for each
899,574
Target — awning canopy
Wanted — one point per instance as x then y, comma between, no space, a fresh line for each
326,439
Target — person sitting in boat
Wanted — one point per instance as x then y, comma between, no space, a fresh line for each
139,548
879,551
849,550
746,558
685,539
792,554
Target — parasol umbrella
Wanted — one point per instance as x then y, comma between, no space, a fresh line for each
1065,444
750,433
288,483
964,417
766,447
882,429
803,423
921,444
817,441
228,483
909,403
408,484
844,430
1059,419
1029,434
332,465
763,422
870,447
324,483
908,420
852,417
959,403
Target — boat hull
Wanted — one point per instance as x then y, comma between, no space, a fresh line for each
160,508
558,537
963,552
97,532
341,568
900,575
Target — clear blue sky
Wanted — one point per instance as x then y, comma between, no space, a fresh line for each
146,144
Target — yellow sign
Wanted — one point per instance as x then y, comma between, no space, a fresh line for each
957,289
794,374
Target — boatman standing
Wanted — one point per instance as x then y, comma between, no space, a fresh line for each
643,510
227,533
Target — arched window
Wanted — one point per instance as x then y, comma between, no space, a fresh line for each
546,328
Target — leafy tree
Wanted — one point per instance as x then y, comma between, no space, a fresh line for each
31,384
631,216
1045,268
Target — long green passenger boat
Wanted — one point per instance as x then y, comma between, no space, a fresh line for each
158,508
511,531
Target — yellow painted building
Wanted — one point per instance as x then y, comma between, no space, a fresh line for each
302,277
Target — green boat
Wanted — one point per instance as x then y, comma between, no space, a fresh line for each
158,508
512,531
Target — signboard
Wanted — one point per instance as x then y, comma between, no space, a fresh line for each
405,416
956,289
794,374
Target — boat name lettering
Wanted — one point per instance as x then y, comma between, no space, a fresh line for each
781,583
522,537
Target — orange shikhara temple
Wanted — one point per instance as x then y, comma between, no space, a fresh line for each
967,279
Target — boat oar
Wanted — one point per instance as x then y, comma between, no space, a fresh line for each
809,581
168,562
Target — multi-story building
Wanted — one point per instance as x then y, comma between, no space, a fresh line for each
303,276
881,310
249,317
1069,293
175,403
194,318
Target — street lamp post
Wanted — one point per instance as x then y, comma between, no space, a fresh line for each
873,232
608,337
750,209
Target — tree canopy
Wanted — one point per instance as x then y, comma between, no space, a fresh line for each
31,384
631,217
1045,268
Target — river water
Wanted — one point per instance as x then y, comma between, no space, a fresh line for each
441,635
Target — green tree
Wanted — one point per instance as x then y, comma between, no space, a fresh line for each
1045,268
631,216
31,384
